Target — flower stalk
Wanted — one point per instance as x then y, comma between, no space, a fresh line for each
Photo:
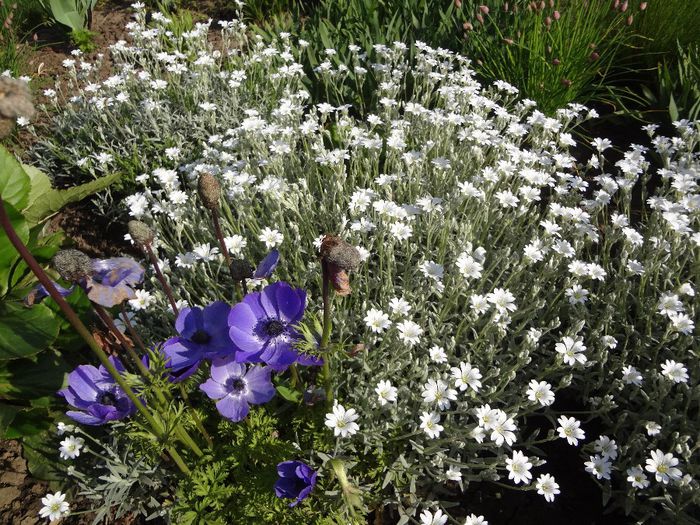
82,330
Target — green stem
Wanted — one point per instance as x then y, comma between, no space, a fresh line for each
195,416
326,335
82,330
159,275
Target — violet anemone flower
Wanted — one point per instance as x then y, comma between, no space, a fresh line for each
267,265
204,333
236,388
262,325
297,480
37,294
96,395
113,280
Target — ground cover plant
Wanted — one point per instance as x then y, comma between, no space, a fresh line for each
345,314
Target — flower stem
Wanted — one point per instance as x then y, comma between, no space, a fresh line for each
82,330
326,335
195,417
220,237
159,275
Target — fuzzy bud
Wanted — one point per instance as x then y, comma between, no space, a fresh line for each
594,56
566,82
642,6
339,253
141,233
72,265
241,269
484,9
209,191
458,4
556,62
556,15
467,26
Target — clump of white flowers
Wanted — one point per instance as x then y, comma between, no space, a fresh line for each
501,272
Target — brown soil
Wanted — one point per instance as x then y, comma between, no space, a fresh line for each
20,494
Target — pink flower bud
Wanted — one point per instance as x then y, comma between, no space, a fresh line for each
630,20
484,9
624,6
566,82
548,22
642,6
556,62
458,4
557,15
593,56
480,18
467,26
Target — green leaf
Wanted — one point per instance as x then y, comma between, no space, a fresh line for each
14,182
28,422
53,200
672,108
26,331
39,183
7,415
289,394
7,251
30,379
65,12
40,452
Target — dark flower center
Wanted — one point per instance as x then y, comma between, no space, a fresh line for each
236,385
200,337
107,398
273,327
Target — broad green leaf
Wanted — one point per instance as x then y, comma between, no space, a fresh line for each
672,108
65,12
39,183
28,379
7,415
53,200
14,182
7,250
40,452
287,393
28,422
26,331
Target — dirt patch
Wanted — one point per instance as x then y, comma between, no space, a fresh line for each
20,494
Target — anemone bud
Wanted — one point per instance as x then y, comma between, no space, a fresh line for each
209,191
241,269
141,233
72,265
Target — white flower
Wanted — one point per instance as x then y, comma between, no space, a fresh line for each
669,303
70,447
342,421
466,376
377,321
437,354
143,301
205,252
479,304
631,376
653,428
271,238
598,466
577,294
682,323
453,473
663,466
571,350
502,299
547,487
676,372
606,447
569,429
637,478
185,260
469,267
55,506
432,270
519,468
385,392
401,231
409,332
235,244
473,519
62,428
428,518
430,424
541,392
437,391
502,429
399,306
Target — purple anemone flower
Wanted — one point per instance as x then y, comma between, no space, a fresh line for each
262,325
37,294
236,388
96,395
204,333
113,280
297,480
267,265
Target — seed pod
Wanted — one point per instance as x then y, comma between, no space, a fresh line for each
72,265
241,269
209,191
141,233
340,253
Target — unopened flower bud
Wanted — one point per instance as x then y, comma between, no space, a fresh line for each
556,15
340,253
566,82
630,20
624,6
458,4
556,62
642,6
479,18
141,233
467,26
72,265
548,22
594,56
484,9
241,269
209,191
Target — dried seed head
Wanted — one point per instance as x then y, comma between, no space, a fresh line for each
241,269
141,233
72,265
339,253
209,191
